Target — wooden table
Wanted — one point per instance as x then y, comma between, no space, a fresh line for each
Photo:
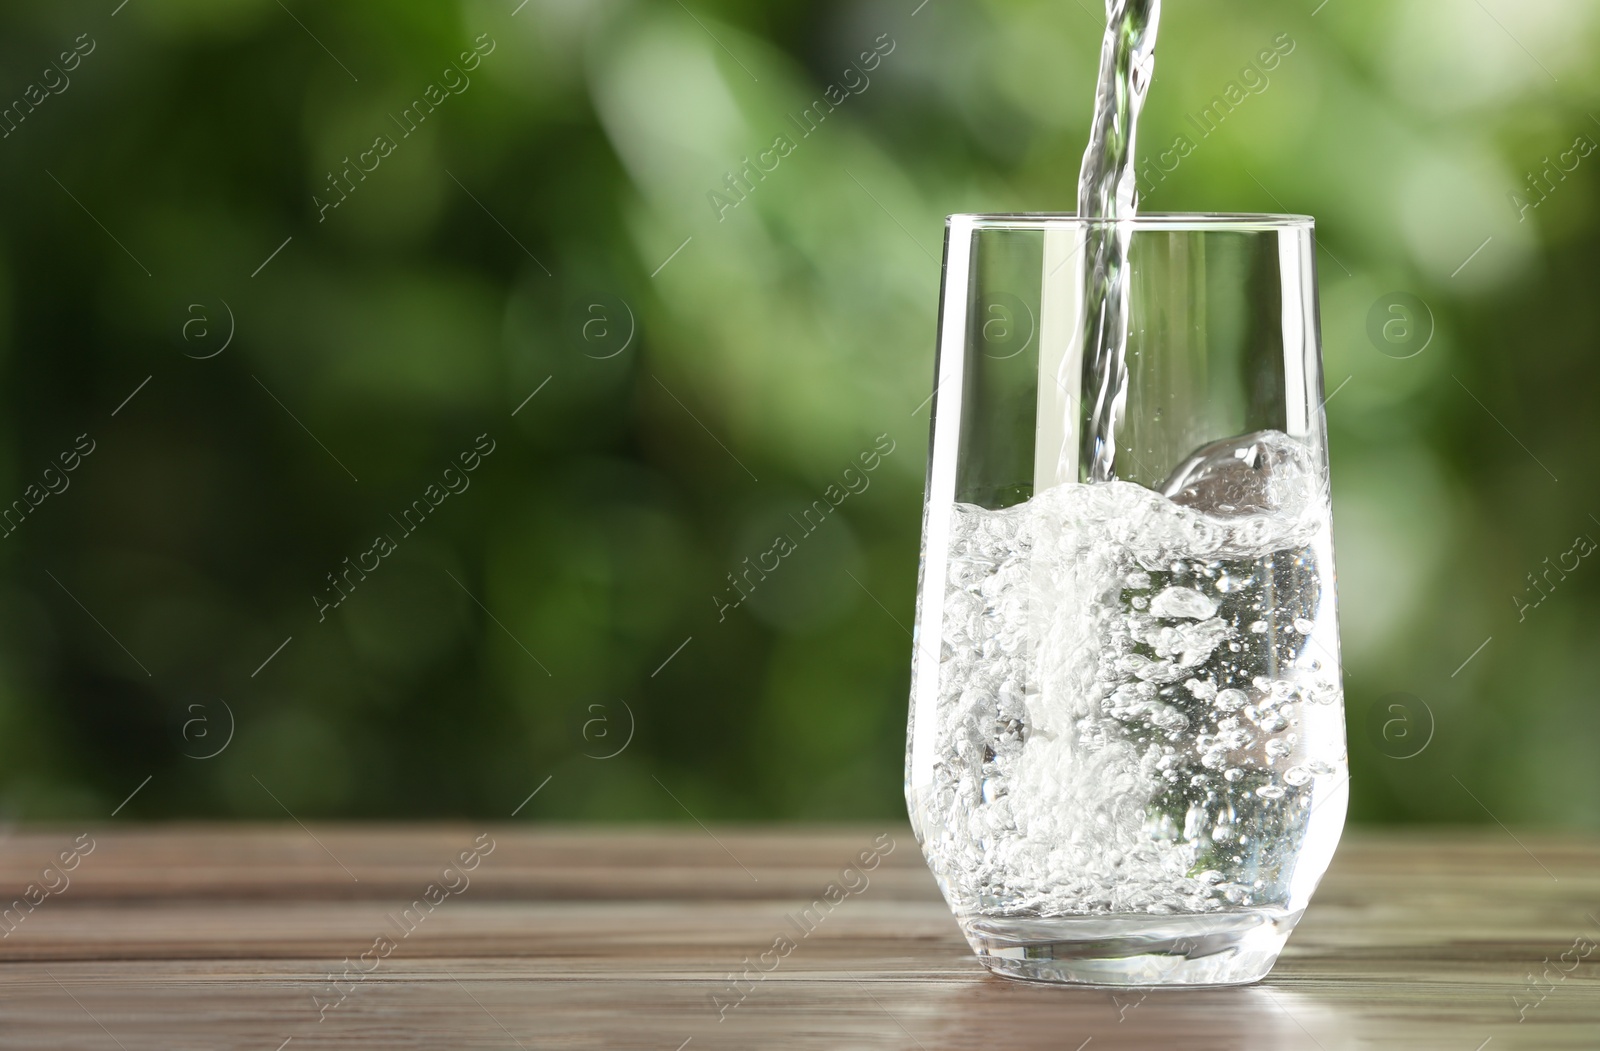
238,937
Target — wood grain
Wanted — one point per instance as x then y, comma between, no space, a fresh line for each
230,936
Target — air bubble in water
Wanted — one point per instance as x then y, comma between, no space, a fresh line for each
1272,722
1231,700
1182,602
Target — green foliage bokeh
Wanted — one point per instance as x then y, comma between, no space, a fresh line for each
705,366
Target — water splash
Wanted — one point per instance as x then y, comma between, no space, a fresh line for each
1138,704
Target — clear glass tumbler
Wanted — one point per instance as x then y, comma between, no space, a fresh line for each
1126,755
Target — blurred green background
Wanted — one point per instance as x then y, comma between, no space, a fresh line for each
705,369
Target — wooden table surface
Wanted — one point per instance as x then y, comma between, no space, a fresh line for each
561,937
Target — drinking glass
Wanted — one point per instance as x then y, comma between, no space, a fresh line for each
1126,756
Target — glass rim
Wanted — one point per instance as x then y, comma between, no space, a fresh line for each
1237,221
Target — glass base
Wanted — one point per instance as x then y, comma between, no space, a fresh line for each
1226,948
